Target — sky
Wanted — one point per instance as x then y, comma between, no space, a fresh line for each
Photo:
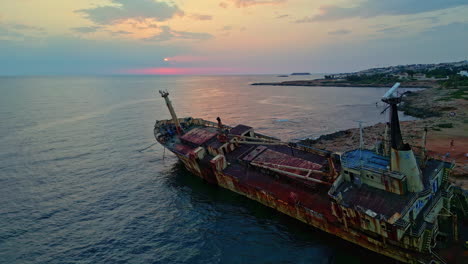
94,37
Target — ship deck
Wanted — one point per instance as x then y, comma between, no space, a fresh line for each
311,195
378,201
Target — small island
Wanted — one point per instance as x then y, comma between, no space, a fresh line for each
300,73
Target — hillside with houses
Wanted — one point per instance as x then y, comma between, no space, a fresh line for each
421,72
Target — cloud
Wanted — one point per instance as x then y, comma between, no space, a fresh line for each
201,17
378,26
168,34
147,23
226,28
223,5
391,30
339,32
25,27
120,32
186,58
86,30
456,27
247,3
305,20
431,19
15,31
185,71
131,9
282,16
373,8
6,33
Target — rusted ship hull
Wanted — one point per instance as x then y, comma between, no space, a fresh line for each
387,200
319,216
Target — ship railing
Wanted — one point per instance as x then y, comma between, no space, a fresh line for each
434,201
184,120
312,149
203,122
390,173
417,150
438,258
435,229
409,205
462,196
403,224
425,192
180,153
356,166
259,135
190,121
447,194
460,191
418,232
335,186
368,168
437,170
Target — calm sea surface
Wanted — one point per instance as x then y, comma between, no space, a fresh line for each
81,183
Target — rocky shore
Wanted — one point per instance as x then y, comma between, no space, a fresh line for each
443,111
343,83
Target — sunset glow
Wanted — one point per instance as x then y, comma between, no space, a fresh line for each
184,71
277,36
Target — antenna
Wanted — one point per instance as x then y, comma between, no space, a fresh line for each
423,148
361,141
386,145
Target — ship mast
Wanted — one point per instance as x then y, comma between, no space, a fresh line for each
165,95
401,155
423,148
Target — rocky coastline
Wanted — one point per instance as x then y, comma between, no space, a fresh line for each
444,115
343,83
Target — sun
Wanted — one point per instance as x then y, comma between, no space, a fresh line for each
166,59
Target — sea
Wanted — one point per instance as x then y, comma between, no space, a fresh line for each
82,180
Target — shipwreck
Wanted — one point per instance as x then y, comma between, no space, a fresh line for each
389,200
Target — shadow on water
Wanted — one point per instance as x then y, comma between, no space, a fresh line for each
289,229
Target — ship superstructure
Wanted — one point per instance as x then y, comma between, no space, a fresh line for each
392,203
396,198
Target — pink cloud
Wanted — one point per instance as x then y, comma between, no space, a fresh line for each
186,58
247,3
185,71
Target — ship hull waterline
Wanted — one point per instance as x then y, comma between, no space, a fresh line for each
301,213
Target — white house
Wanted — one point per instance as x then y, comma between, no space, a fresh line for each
463,73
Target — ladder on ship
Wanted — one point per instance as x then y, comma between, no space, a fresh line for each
437,258
427,239
461,203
